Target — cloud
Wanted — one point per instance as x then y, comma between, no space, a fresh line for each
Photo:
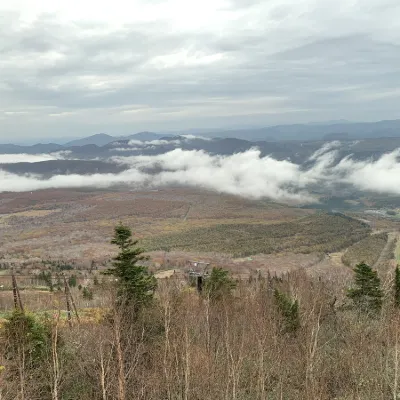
17,183
31,158
246,174
195,137
324,149
172,65
126,149
161,142
382,175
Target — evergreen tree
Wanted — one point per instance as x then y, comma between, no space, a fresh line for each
397,287
218,284
87,294
136,285
72,281
27,339
46,278
289,309
367,293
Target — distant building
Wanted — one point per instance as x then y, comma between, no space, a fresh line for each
197,268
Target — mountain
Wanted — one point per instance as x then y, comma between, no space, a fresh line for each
351,130
63,167
35,149
100,139
333,122
145,136
90,158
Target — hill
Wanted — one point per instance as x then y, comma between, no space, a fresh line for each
100,139
35,149
62,167
353,130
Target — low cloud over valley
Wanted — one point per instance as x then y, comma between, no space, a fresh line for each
247,174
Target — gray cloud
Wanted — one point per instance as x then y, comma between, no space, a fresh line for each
261,62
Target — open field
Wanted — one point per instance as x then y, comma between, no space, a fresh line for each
313,234
77,225
367,250
175,225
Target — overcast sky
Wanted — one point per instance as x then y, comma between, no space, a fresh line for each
79,67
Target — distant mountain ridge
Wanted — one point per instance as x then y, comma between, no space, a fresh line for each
102,139
90,158
336,130
63,167
34,149
341,129
353,130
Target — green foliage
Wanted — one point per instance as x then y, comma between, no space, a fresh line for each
397,286
367,293
367,249
65,267
218,284
26,337
136,285
316,233
72,281
87,294
289,310
46,278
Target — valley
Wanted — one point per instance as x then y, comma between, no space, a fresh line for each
175,225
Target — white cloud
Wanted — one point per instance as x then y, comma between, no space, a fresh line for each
194,137
30,158
134,142
246,174
324,149
152,143
382,175
121,149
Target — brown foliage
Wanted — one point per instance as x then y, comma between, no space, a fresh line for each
185,347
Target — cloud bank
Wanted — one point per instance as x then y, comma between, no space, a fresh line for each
77,66
31,158
246,174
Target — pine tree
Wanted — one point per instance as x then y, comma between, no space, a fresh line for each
26,337
136,285
218,284
72,281
397,287
87,294
289,309
367,293
45,276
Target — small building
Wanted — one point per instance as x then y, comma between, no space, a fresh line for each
197,271
197,267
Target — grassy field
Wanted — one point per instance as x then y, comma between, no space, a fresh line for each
316,233
78,226
367,250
